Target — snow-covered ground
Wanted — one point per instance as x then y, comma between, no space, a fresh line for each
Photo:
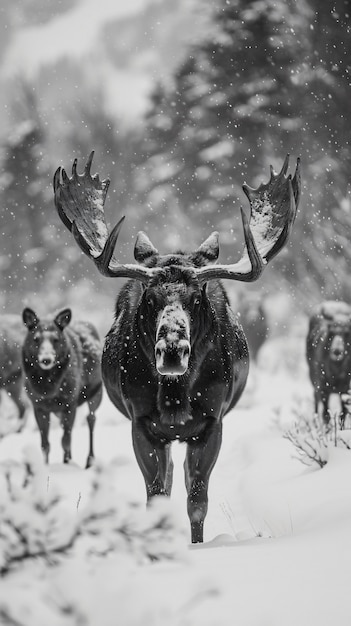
277,536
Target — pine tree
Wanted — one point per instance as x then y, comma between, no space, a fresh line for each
230,105
321,247
25,199
271,78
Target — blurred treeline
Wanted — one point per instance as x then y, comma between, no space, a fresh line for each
269,78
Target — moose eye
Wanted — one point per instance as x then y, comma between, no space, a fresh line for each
197,301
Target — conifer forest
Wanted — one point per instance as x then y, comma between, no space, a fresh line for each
229,88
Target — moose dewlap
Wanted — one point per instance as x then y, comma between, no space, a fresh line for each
176,359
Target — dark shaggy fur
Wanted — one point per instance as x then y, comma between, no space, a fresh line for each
329,354
254,320
12,335
73,378
189,407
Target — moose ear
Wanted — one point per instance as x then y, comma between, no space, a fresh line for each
30,318
209,249
63,318
143,248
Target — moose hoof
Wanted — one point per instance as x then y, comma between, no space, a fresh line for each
90,462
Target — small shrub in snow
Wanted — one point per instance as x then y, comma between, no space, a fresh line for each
114,522
308,435
311,437
160,536
33,519
342,443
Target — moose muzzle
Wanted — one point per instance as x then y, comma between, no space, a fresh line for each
337,348
172,348
46,355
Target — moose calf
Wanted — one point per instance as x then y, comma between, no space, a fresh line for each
12,336
62,369
329,355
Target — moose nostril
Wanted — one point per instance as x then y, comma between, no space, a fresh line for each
337,350
185,349
160,348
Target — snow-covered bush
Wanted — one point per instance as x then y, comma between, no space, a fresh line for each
114,522
33,519
36,521
309,437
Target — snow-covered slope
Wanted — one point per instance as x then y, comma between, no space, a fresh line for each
277,538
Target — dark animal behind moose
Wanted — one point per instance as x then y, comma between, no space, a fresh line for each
63,370
254,321
328,351
176,359
12,333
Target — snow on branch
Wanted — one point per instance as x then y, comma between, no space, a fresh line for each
115,522
308,436
35,519
311,437
342,443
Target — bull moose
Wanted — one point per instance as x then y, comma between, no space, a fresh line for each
328,350
176,359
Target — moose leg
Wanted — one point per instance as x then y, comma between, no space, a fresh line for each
343,415
17,394
200,459
154,460
166,466
43,421
93,404
67,421
321,407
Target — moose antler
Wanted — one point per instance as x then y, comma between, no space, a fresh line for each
273,209
80,204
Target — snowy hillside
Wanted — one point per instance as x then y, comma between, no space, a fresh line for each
277,534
